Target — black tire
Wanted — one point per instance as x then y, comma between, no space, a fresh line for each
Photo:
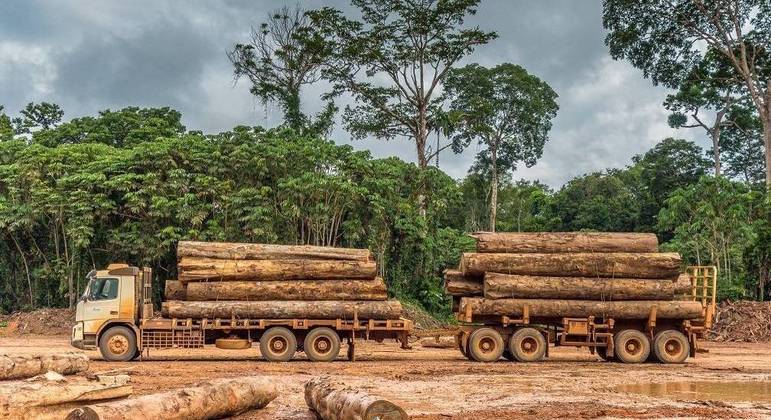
463,344
485,345
671,346
322,344
527,345
632,346
278,344
118,344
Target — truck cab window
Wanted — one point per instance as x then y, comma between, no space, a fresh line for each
103,289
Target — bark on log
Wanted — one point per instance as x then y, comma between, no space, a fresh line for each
441,342
27,366
38,399
561,242
652,266
351,289
244,251
213,399
175,290
335,401
502,286
193,268
463,287
320,309
542,308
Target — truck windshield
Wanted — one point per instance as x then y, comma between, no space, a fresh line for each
102,288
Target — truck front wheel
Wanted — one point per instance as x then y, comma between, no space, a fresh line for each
278,344
118,344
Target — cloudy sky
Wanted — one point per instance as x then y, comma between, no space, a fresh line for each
92,55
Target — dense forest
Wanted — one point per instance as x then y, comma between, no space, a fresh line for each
127,184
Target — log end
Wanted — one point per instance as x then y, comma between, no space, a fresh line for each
82,413
384,410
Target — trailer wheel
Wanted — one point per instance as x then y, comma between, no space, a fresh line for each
527,345
671,346
278,344
322,344
463,344
632,346
118,344
485,345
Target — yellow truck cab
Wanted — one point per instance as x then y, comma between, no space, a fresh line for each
110,309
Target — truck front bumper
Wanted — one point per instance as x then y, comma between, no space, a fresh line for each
81,341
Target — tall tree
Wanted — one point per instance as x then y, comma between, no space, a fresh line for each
508,111
6,128
42,116
281,57
393,60
668,38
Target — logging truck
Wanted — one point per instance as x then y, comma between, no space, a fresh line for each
624,331
116,315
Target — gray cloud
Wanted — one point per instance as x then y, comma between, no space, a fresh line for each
92,55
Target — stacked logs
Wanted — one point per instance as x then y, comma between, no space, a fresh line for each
224,280
570,274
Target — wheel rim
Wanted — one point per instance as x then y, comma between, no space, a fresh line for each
118,344
487,345
322,345
528,345
673,348
278,345
633,347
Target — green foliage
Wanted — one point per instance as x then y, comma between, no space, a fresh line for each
6,128
40,116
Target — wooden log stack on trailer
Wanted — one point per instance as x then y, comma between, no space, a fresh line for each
592,280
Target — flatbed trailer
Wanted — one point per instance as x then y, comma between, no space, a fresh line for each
526,338
116,315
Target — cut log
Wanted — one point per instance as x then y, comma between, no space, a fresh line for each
557,308
440,342
350,289
193,268
320,309
502,286
175,290
560,242
652,266
214,399
27,365
463,287
244,251
41,398
335,401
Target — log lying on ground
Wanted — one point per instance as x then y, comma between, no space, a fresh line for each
39,399
440,342
545,308
501,286
652,266
320,309
560,242
214,399
26,365
193,268
334,401
463,287
244,251
175,290
350,289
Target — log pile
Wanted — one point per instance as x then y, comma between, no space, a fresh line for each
224,280
570,274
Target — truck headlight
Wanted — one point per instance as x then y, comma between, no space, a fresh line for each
77,331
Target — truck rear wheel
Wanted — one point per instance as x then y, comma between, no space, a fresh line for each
322,344
527,345
485,345
118,344
278,344
632,346
671,346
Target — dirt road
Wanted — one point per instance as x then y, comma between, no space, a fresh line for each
440,383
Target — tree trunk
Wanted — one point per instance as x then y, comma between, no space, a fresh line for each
193,268
561,242
715,132
51,399
245,251
27,366
767,134
638,266
319,309
463,287
493,187
213,399
175,290
336,401
288,290
502,286
554,308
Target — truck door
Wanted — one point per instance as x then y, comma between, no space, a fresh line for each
102,302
